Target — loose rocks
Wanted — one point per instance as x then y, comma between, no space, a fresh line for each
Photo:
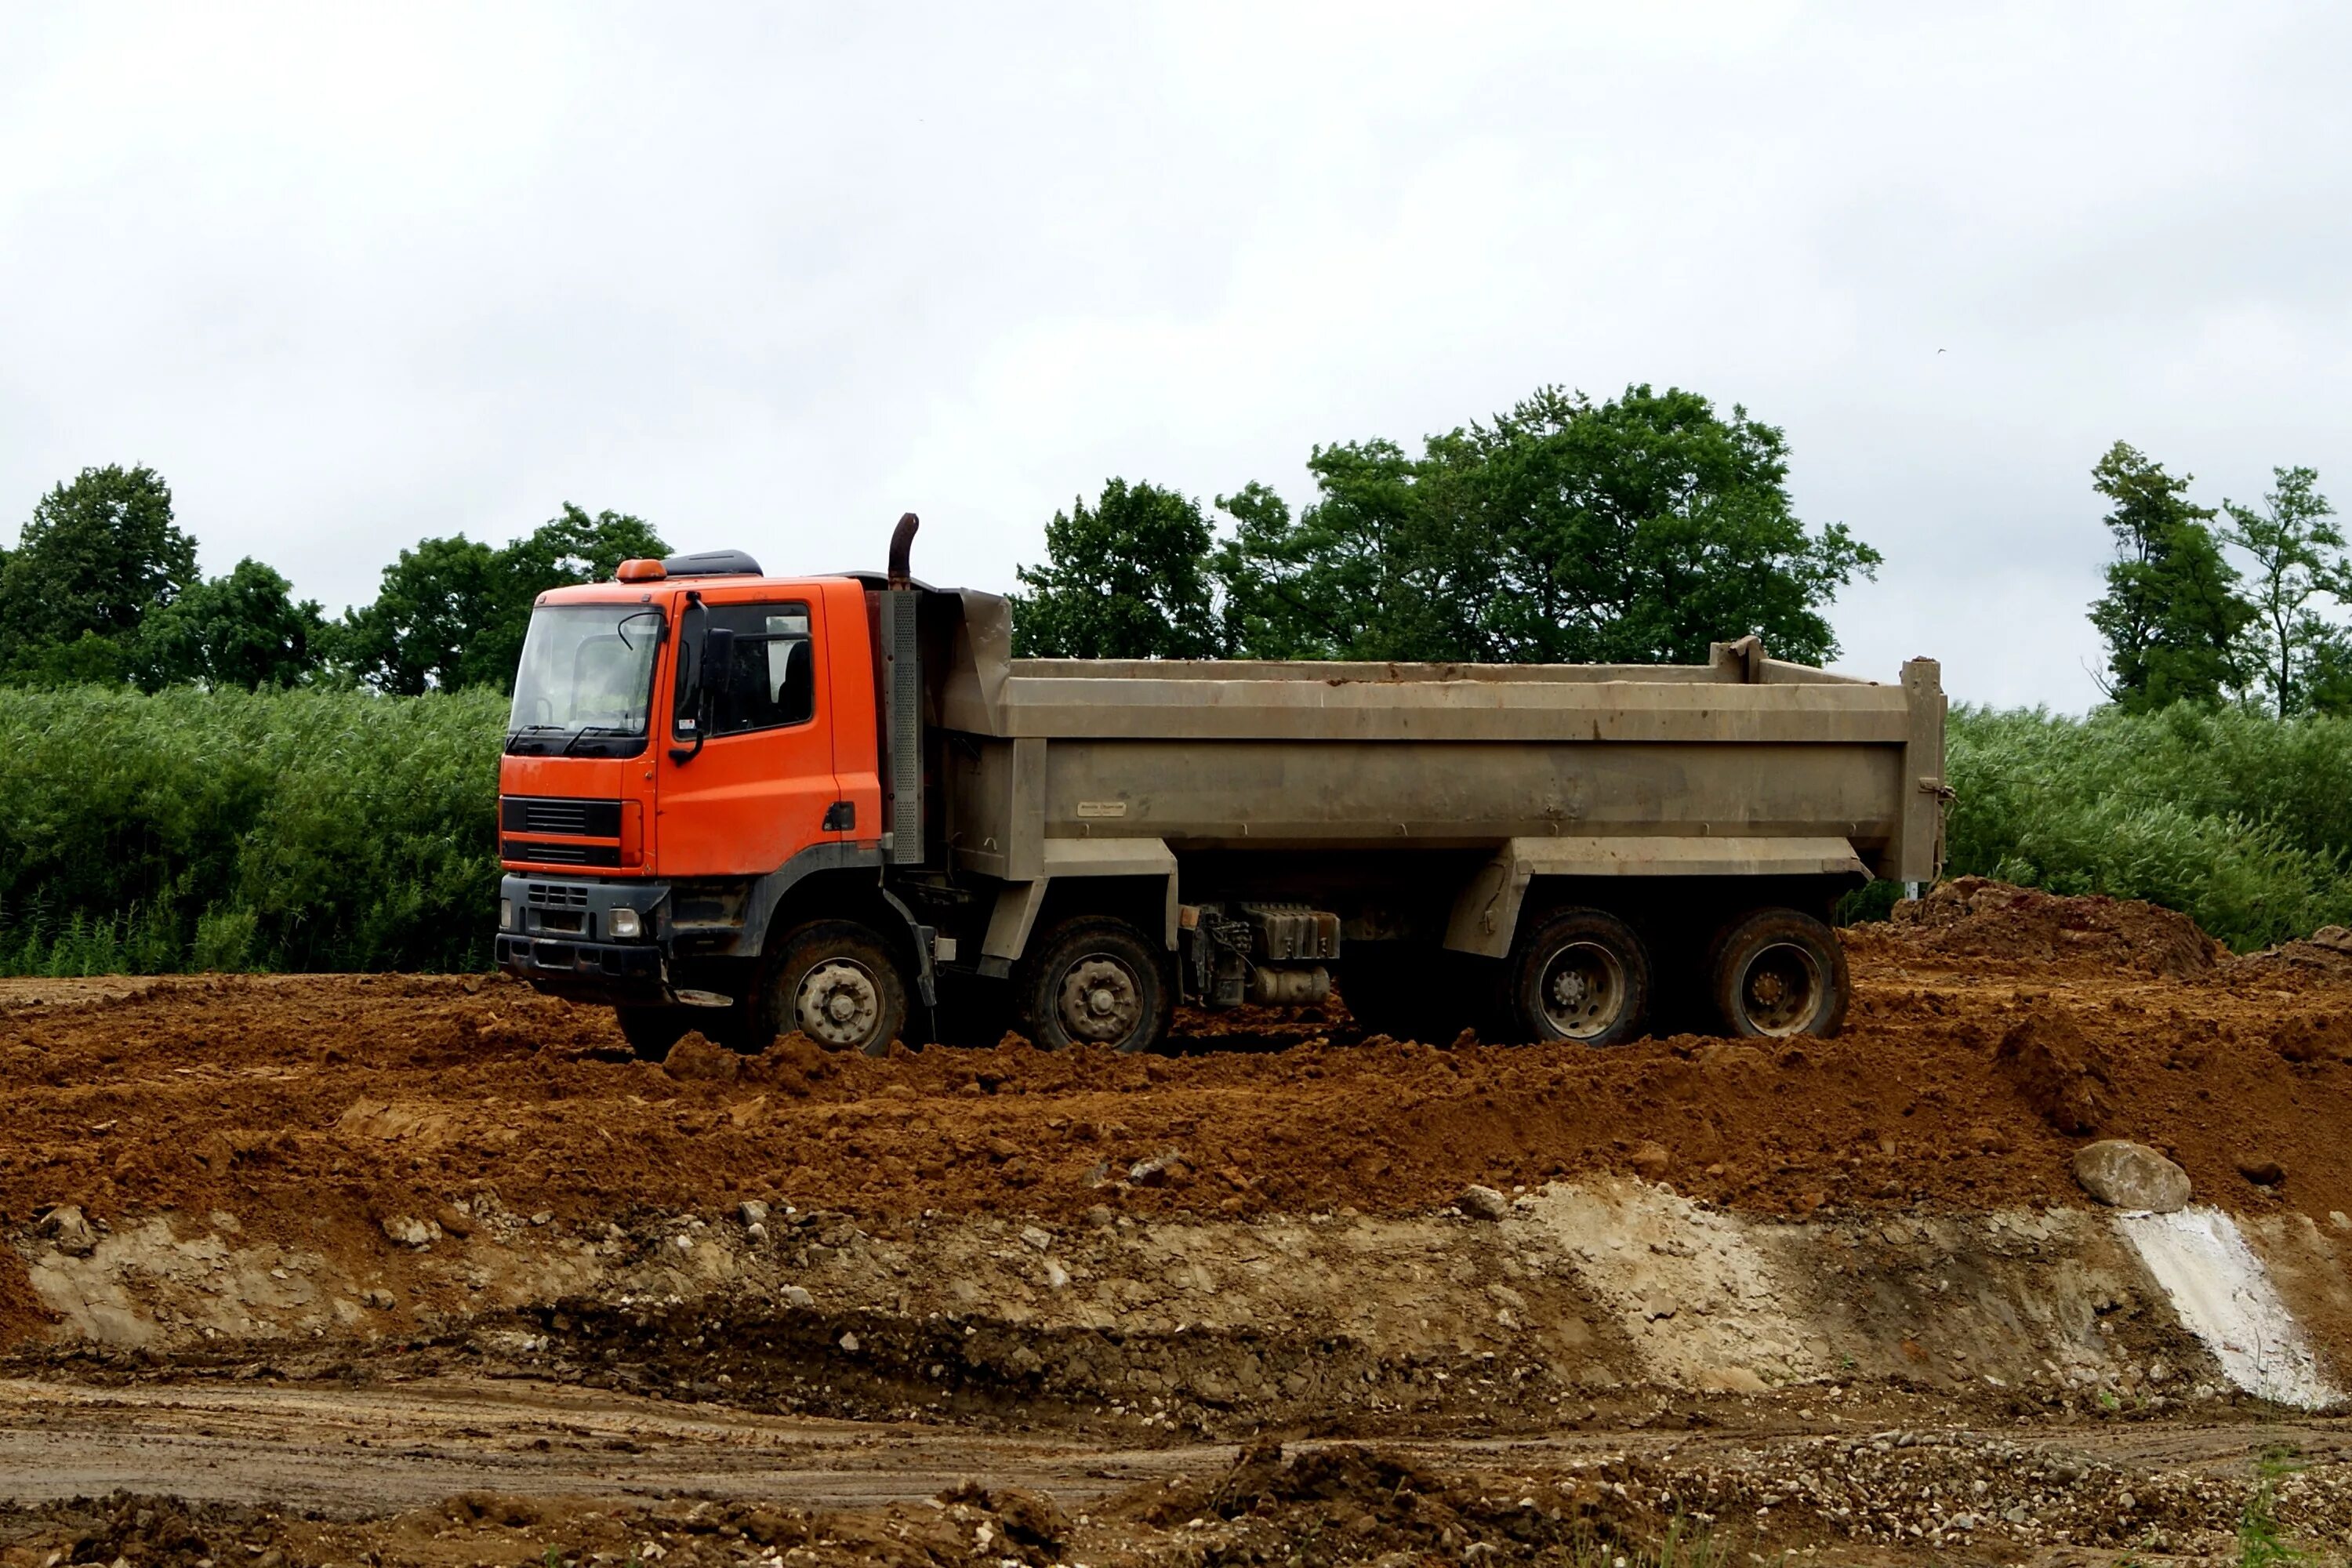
2128,1175
1483,1203
409,1231
69,1232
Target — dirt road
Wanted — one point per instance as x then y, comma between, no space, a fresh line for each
359,1452
369,1456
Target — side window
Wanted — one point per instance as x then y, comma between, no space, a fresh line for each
774,679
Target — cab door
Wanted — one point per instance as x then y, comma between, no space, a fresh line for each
747,775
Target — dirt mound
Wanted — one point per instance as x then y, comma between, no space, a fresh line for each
2063,1077
1970,917
320,1108
2327,951
1377,1502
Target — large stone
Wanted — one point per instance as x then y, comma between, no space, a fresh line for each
2130,1176
410,1231
70,1232
1483,1203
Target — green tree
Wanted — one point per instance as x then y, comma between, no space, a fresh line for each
426,628
1127,578
246,629
2171,616
1337,583
2298,555
99,553
452,613
1636,531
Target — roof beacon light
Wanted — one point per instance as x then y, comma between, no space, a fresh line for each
642,570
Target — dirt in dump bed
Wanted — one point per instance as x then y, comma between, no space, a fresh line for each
1971,1068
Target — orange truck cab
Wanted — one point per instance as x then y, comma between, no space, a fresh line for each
689,745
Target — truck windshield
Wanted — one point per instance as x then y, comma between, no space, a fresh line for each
586,687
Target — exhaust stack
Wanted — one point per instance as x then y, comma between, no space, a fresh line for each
902,547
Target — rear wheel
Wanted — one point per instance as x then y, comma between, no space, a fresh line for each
1580,974
652,1031
837,983
1097,982
1776,973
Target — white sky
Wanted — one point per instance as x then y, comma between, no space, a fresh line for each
767,276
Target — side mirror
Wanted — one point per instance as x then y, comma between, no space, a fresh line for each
718,670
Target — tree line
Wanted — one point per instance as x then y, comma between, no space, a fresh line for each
102,588
1636,530
213,776
2184,623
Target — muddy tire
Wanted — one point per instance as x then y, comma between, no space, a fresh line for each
1097,982
1776,973
838,982
1579,974
652,1031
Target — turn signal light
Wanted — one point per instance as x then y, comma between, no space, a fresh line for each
632,833
641,570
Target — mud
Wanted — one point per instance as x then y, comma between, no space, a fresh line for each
1028,1266
346,1101
534,1475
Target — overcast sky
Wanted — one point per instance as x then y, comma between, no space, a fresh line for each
769,275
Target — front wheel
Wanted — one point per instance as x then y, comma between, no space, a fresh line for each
1778,972
1580,974
1097,982
837,983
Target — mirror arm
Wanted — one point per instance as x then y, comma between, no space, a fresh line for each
681,755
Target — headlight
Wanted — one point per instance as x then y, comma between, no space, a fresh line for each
626,924
506,914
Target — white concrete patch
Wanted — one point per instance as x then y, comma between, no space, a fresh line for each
1701,1305
2224,1296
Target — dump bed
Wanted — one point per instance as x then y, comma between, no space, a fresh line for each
1743,765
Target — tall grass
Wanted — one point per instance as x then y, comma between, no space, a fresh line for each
2243,822
240,830
340,830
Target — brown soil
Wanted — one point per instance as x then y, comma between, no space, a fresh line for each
302,1102
1970,917
254,1127
1683,1501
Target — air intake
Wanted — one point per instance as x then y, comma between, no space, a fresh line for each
713,563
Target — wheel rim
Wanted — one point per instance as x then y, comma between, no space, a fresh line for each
1582,991
839,1003
1781,991
1100,1000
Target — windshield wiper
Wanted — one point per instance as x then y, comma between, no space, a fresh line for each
514,735
588,729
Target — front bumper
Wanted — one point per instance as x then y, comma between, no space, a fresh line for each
624,974
560,939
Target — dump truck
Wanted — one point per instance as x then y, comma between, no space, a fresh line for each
747,803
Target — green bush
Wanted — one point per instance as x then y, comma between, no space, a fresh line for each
318,829
306,829
2241,821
